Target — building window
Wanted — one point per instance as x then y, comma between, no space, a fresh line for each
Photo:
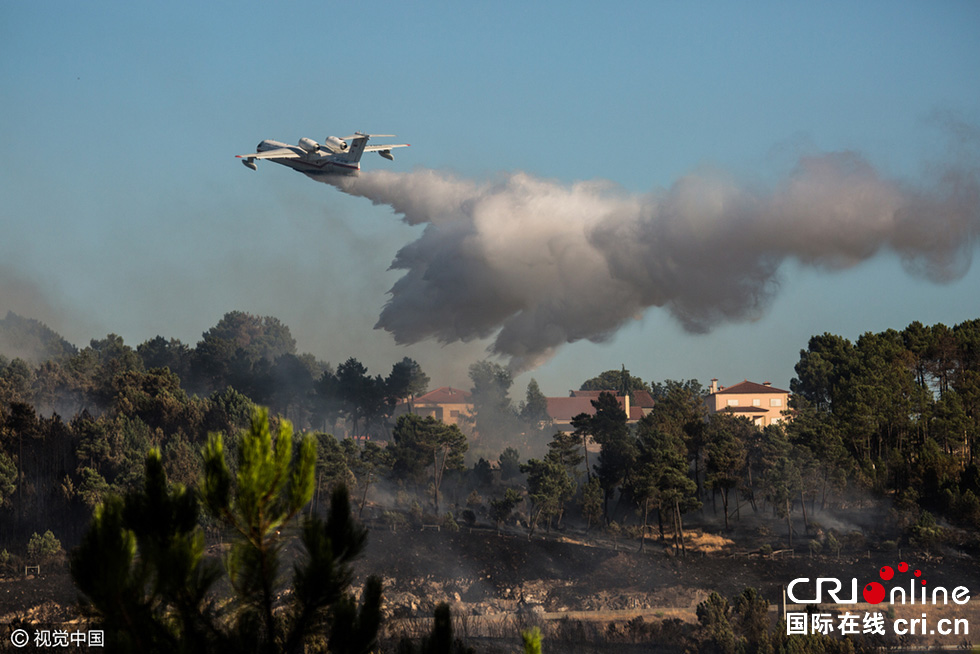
732,402
776,401
756,402
454,414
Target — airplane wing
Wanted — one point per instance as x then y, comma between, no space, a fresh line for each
279,153
378,148
361,135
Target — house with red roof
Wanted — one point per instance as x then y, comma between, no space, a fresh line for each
762,403
561,410
454,406
451,405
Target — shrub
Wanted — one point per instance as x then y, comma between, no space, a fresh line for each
41,548
394,520
925,533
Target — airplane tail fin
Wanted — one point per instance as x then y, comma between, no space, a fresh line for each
352,154
357,143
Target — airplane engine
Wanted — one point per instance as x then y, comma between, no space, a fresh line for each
386,154
309,145
335,144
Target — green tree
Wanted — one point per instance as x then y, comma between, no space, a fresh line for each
616,381
141,569
727,435
270,488
16,379
332,465
822,369
228,411
426,447
406,381
495,418
371,461
361,396
680,414
751,620
291,378
566,448
501,508
42,547
34,340
592,502
549,486
925,533
617,453
509,462
8,478
156,398
262,337
818,434
534,408
173,355
92,488
237,348
660,480
326,401
714,615
141,565
531,638
781,484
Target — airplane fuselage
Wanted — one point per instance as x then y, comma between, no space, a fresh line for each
335,156
311,163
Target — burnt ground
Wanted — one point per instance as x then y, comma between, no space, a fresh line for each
482,573
46,598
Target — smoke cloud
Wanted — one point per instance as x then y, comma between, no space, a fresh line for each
534,264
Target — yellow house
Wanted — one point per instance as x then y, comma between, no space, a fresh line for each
450,405
761,403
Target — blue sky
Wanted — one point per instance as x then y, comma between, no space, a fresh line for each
125,211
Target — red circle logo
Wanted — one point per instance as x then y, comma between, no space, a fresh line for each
873,593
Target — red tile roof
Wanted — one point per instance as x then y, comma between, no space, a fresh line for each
563,409
642,399
592,394
750,387
444,395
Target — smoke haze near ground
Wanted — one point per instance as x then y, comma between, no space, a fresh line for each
535,264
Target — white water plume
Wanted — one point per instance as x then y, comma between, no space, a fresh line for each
534,264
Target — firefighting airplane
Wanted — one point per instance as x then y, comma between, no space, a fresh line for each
335,156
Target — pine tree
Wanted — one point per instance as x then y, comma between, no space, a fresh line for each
142,569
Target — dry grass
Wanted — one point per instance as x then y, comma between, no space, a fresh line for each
699,541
